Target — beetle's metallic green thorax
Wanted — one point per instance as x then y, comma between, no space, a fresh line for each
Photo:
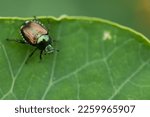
42,38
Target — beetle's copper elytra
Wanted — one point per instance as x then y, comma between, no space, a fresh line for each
32,31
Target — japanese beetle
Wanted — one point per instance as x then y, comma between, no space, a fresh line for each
35,33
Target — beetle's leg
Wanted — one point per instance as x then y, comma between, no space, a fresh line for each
41,54
35,18
48,28
17,40
49,25
54,41
31,54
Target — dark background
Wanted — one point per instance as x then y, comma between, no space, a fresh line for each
131,13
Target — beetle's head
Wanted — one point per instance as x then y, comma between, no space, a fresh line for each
49,49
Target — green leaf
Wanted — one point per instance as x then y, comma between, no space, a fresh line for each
98,59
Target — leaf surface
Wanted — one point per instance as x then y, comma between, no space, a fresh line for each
98,59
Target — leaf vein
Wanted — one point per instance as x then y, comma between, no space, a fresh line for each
128,79
76,71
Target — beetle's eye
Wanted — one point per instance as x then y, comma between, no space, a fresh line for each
49,49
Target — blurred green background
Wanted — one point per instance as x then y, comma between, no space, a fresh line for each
131,13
